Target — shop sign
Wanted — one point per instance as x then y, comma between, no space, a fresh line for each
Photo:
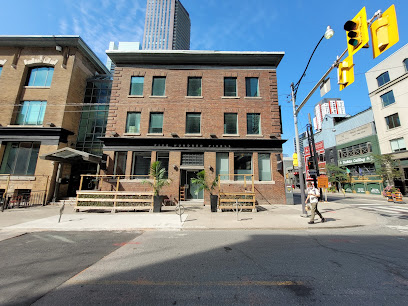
354,134
375,191
356,160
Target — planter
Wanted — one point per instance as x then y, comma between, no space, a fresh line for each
157,203
214,202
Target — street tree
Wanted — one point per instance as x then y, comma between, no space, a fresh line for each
387,168
336,174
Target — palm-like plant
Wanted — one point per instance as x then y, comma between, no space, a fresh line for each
158,173
200,180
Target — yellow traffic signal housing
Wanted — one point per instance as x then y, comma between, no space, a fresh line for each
295,160
346,72
357,32
384,31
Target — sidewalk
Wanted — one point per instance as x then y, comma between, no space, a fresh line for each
196,216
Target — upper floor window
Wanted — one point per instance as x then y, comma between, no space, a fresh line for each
383,78
398,145
136,86
156,123
230,123
405,62
393,121
31,113
194,86
20,158
230,87
40,76
388,98
159,86
252,89
133,122
253,124
193,123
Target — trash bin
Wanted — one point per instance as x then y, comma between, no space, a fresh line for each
214,202
289,195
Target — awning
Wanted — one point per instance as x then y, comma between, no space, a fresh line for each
69,155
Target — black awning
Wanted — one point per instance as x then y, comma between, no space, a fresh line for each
69,155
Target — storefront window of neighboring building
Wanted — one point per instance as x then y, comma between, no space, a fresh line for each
136,86
159,86
141,164
193,123
230,87
194,87
405,62
242,165
156,123
222,166
252,88
20,158
383,78
398,145
40,76
393,121
264,165
119,167
133,122
231,123
388,98
253,124
31,113
163,158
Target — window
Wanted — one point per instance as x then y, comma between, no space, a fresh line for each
141,164
405,62
393,121
163,158
383,78
156,123
136,86
40,76
1,69
398,145
31,113
119,167
264,165
253,124
133,123
230,87
20,158
193,123
159,86
194,87
192,159
242,165
387,98
222,166
230,123
252,89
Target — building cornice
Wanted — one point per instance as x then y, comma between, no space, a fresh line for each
388,85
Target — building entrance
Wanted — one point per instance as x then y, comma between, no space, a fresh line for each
191,190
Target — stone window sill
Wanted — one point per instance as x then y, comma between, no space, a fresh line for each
254,135
230,97
154,134
255,98
230,135
158,97
38,87
131,134
192,135
135,96
194,97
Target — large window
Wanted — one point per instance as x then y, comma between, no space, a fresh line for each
392,121
40,76
136,86
383,78
133,122
20,158
398,145
264,166
194,86
156,123
252,89
230,87
193,123
119,167
159,86
242,165
230,123
141,163
388,98
355,150
405,62
222,166
31,113
163,158
253,124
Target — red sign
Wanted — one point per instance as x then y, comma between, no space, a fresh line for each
320,151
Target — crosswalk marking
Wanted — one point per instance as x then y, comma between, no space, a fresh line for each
381,210
391,210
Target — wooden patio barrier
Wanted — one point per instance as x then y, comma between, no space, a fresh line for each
227,200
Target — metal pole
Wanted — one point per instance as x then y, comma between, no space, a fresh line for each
301,181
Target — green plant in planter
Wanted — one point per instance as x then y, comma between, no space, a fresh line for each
157,172
202,184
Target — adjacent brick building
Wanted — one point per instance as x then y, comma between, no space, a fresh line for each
196,110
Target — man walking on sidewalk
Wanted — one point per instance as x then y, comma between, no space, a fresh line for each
313,194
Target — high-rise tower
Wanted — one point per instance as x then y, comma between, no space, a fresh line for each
167,26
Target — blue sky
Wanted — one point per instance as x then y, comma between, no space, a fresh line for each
294,27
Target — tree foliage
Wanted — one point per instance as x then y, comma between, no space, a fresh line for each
201,182
387,168
336,174
157,172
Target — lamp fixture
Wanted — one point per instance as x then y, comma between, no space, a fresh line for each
329,33
58,48
174,134
213,136
50,124
114,134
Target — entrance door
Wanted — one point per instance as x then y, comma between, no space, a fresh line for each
192,192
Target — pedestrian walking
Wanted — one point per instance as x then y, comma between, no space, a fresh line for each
313,194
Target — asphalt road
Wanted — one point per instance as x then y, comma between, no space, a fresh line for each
33,264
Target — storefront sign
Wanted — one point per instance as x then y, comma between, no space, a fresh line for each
354,134
356,160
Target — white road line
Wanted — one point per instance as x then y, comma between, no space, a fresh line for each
368,204
395,209
381,211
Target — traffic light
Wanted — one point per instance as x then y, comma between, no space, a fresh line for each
295,160
310,163
384,31
346,72
357,32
